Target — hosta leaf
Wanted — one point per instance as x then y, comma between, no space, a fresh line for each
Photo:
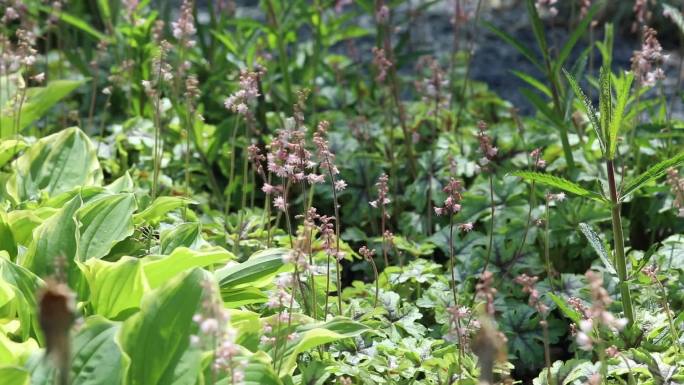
559,183
257,271
234,298
14,375
15,353
156,338
184,235
9,148
313,335
160,269
55,164
96,358
7,242
53,239
596,242
652,173
159,208
103,223
38,102
116,288
25,285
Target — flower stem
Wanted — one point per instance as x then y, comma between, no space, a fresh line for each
620,259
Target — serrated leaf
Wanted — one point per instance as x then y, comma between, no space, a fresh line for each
624,86
559,183
588,108
605,104
597,244
652,173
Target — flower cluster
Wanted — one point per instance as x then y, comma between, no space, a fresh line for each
646,63
597,314
326,158
488,150
367,253
184,28
216,334
459,327
280,297
485,289
547,6
452,202
382,15
584,7
539,163
677,186
433,87
381,63
288,158
14,9
239,101
383,189
560,197
641,13
162,71
528,284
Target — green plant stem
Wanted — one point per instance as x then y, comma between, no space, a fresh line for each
282,53
620,259
231,171
452,261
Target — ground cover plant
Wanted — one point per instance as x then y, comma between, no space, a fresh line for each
290,192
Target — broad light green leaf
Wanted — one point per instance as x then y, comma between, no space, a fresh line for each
96,358
160,269
652,173
122,184
104,222
6,294
257,271
184,235
25,285
15,353
55,164
234,298
559,183
116,288
597,244
38,102
159,208
7,241
14,375
23,222
55,238
312,336
9,148
156,338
